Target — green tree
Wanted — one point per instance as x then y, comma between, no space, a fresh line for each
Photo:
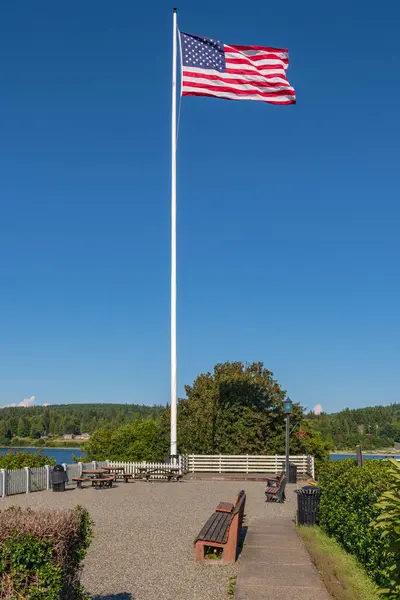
141,439
237,409
23,427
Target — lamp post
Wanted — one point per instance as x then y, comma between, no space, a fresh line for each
287,407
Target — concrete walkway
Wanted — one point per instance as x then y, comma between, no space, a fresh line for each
274,563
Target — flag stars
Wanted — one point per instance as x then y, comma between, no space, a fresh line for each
204,53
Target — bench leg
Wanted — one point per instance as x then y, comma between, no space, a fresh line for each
229,553
199,552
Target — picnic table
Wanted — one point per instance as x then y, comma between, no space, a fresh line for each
118,472
94,473
162,473
114,470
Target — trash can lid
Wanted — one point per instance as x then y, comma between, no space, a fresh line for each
58,468
309,490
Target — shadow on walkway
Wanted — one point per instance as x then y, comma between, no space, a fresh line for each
123,596
242,537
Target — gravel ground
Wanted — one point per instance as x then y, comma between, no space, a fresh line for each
144,532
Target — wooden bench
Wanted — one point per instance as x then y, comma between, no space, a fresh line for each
102,482
222,530
79,481
275,489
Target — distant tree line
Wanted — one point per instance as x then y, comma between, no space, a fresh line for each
57,420
236,409
373,427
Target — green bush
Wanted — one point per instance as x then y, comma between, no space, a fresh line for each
348,507
388,524
140,440
19,460
41,553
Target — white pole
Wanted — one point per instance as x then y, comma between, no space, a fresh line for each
173,242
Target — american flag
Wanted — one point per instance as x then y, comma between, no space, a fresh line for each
211,68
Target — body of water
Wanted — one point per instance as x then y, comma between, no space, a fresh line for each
366,456
61,455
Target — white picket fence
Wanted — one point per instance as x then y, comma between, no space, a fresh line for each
25,481
247,463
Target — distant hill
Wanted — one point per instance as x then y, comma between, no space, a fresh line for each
372,427
62,419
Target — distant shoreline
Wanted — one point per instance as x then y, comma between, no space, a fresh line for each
38,448
368,452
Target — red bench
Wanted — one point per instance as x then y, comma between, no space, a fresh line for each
222,530
275,488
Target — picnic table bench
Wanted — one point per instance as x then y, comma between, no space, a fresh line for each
102,482
162,473
222,530
79,481
275,488
119,473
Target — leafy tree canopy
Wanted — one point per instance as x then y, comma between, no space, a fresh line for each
238,409
139,440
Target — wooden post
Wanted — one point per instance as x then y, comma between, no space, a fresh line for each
359,456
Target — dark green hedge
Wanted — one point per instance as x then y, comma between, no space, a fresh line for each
41,553
348,508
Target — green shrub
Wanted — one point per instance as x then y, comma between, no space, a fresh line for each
348,506
19,460
41,553
388,524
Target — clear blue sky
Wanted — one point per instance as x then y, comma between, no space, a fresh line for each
288,220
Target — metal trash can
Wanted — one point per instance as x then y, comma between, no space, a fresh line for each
59,478
308,498
292,473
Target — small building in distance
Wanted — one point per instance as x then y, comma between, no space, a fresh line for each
82,436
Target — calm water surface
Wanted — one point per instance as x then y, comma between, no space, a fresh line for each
61,455
366,456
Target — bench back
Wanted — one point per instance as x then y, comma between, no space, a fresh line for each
239,499
238,514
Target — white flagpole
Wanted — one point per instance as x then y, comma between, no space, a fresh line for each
173,246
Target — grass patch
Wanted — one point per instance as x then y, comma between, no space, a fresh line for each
231,586
344,578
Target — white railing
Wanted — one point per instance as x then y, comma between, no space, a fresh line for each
247,463
137,467
26,480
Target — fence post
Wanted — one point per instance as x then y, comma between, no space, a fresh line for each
3,474
28,479
312,467
94,463
81,469
192,463
48,473
220,466
247,463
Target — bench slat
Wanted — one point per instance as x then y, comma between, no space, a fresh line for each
218,522
216,528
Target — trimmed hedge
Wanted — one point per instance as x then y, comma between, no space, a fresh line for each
41,553
348,508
